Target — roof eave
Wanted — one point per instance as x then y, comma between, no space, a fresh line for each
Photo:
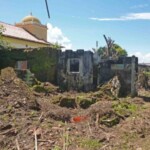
46,43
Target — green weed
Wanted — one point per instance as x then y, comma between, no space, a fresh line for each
125,108
56,148
90,144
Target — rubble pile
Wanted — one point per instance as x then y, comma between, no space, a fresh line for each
16,103
70,120
15,91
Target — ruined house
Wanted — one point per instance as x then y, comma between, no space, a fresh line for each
82,71
75,70
125,68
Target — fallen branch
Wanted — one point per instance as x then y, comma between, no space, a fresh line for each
40,118
97,120
103,148
35,136
90,130
50,141
11,131
17,144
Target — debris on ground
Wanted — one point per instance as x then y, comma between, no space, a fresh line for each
74,121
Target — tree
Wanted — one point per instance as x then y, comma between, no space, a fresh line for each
119,50
109,43
3,44
116,51
112,49
1,41
57,46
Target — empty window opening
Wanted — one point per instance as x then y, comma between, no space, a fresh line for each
74,65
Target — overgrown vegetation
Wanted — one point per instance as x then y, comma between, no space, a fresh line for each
125,108
90,144
143,79
147,73
111,50
1,40
106,124
3,44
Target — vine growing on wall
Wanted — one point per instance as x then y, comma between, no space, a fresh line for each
3,44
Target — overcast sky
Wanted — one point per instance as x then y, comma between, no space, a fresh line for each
78,24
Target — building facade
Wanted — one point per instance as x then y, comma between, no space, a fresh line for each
29,33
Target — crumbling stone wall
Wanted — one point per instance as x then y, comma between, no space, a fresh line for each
122,68
105,72
75,70
41,61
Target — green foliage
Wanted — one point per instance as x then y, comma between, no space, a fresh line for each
29,78
147,73
43,64
124,108
56,46
68,102
85,102
143,79
39,88
120,51
90,144
1,30
109,120
56,148
115,51
3,44
102,52
66,140
1,40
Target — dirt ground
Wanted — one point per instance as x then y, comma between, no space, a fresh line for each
70,121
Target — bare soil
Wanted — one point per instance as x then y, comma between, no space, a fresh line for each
70,121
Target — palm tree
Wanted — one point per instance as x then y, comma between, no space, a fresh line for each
111,50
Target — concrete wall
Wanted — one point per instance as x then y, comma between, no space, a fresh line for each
75,70
81,76
123,68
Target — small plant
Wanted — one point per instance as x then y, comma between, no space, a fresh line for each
125,108
147,73
109,120
90,144
56,148
4,117
29,77
33,113
127,138
39,88
66,140
85,102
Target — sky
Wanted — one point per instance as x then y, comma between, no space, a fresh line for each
78,24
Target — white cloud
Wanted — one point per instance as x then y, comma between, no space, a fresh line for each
55,34
139,6
143,58
131,16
